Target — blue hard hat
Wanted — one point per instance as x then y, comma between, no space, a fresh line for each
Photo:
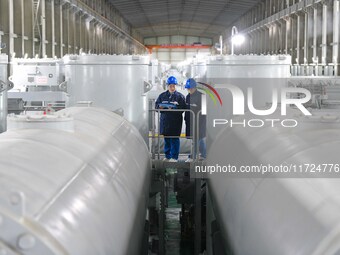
191,83
172,80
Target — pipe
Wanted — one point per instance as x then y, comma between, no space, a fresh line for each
324,35
315,36
87,191
298,31
43,29
83,7
221,45
3,92
336,37
265,215
233,32
306,39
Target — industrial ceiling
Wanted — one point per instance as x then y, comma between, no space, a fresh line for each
206,18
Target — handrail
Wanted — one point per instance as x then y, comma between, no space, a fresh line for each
172,110
198,134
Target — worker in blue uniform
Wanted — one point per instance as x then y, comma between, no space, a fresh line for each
171,122
194,103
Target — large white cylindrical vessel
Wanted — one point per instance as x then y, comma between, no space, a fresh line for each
262,74
3,91
248,66
80,192
266,216
116,83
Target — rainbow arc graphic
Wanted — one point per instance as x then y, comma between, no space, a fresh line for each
209,90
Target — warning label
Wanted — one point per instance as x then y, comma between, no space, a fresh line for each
41,80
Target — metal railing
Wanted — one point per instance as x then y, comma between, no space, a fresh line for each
194,126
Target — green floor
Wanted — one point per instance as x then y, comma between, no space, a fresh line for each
174,246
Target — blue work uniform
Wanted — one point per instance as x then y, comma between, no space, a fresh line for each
171,122
194,103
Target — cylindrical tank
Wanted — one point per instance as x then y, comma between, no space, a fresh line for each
249,66
3,91
198,68
261,73
116,83
80,192
265,216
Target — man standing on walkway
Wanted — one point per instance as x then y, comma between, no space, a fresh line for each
194,103
171,122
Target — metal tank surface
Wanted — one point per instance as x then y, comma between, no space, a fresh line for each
3,91
39,73
117,83
259,215
38,83
261,73
248,66
198,67
75,192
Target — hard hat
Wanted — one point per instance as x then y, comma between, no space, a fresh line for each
191,83
172,80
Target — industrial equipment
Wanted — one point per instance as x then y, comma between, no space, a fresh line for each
314,70
279,214
267,214
236,209
3,91
195,67
263,74
74,191
117,83
97,195
325,90
38,83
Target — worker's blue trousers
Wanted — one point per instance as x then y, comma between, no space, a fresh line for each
171,148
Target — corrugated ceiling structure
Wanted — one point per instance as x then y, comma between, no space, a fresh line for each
205,18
